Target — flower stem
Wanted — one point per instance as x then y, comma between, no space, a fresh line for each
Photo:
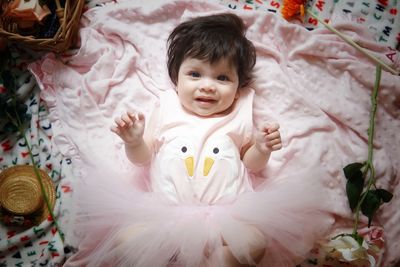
39,177
18,124
355,45
369,169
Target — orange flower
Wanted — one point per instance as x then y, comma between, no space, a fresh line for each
292,8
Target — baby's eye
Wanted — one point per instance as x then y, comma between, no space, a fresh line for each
194,74
223,78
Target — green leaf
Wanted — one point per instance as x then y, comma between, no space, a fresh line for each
354,188
8,80
3,97
27,117
353,171
355,183
10,110
370,205
21,111
358,238
3,104
385,195
10,128
21,108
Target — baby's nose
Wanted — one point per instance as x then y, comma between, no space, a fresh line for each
207,85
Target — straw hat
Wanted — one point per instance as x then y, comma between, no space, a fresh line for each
21,199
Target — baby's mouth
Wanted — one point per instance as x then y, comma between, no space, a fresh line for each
205,100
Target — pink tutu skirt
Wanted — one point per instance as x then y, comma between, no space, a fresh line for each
120,223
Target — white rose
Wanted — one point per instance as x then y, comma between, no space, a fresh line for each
346,248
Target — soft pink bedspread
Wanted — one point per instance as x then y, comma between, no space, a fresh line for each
315,85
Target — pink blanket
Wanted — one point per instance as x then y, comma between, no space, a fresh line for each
316,86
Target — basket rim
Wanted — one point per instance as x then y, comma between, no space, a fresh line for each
62,39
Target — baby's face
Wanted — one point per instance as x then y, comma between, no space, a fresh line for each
207,89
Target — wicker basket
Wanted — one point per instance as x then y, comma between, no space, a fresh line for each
69,17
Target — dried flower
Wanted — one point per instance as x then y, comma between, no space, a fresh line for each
293,8
346,248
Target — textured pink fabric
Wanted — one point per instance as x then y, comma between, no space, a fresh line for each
315,85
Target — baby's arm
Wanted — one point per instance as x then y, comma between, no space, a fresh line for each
266,140
130,127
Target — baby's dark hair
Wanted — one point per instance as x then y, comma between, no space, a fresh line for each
212,38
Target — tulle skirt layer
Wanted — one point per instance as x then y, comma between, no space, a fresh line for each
118,223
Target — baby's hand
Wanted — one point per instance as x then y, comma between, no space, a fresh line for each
268,138
130,127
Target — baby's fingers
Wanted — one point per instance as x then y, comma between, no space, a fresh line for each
127,119
276,147
275,142
140,116
115,129
119,122
273,135
271,127
131,115
136,117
